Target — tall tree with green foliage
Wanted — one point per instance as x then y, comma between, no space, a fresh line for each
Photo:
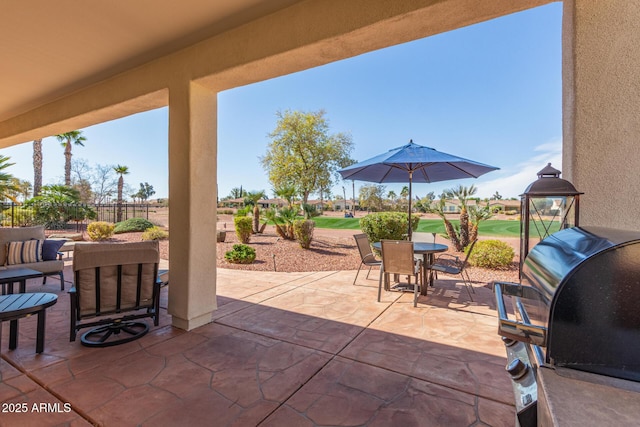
37,166
67,140
303,152
145,191
120,170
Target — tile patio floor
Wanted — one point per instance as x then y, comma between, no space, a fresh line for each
284,349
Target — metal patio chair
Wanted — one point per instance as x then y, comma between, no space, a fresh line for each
114,279
367,257
398,259
452,265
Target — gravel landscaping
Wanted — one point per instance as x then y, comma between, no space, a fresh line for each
330,250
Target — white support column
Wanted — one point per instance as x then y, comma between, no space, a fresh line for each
192,198
601,109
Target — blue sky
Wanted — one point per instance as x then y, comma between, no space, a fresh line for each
491,92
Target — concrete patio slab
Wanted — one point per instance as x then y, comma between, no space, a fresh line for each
283,349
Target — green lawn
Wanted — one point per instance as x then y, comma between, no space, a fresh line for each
498,228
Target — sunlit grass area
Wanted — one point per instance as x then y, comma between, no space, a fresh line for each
498,228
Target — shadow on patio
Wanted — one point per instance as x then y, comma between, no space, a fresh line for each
284,349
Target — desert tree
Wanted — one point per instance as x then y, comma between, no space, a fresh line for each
145,192
237,193
371,197
303,153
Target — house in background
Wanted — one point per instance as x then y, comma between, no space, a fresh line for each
505,206
272,203
342,204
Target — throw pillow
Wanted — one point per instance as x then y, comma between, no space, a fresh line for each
24,252
50,249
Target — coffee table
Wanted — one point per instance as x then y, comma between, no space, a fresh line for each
19,275
17,306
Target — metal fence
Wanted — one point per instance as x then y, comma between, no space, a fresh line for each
68,216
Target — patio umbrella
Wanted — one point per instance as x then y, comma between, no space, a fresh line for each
414,163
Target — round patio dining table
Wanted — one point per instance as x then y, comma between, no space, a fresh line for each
428,251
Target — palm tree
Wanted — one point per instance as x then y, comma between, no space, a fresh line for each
252,198
7,185
21,189
392,196
475,216
67,140
287,192
463,194
120,170
37,167
404,194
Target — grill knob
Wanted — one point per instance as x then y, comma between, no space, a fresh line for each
508,341
517,368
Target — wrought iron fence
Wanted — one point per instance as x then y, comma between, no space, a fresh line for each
61,216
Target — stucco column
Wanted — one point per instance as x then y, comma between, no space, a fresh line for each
192,198
601,109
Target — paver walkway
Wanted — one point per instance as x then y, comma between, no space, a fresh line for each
284,349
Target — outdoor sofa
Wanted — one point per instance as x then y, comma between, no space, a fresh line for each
18,247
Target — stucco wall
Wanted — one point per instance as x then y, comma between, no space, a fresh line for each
601,109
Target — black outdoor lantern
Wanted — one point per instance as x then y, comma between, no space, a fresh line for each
549,204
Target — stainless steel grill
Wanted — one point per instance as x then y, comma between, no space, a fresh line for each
576,307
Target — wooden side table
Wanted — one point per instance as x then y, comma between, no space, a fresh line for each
17,306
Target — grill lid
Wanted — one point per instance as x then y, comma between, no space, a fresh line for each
583,289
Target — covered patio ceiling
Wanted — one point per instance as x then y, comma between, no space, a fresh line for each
50,49
68,64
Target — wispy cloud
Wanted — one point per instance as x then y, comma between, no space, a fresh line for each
515,179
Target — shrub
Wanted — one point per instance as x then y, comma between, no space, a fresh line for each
132,224
310,211
100,230
303,230
387,225
244,226
241,254
18,217
494,254
244,211
282,219
155,233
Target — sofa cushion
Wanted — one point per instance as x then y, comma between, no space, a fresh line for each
44,267
26,251
17,234
50,249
